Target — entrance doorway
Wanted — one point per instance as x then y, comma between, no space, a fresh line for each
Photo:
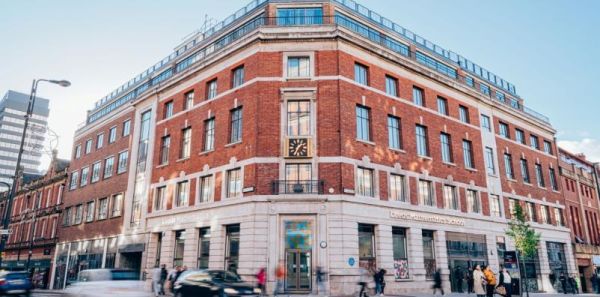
465,251
298,269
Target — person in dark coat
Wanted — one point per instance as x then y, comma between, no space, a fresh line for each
470,280
563,282
595,283
573,285
163,278
437,281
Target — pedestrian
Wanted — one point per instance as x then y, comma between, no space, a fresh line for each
470,280
172,277
437,281
458,274
378,277
573,285
156,281
363,281
506,282
279,276
478,282
563,281
320,274
490,279
261,280
163,278
383,272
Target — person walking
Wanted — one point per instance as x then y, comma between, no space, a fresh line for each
320,274
478,282
261,279
506,282
470,280
594,281
573,285
156,284
279,277
163,278
379,282
363,281
437,281
172,277
490,279
563,281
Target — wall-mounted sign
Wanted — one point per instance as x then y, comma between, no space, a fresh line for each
351,261
248,189
323,244
429,218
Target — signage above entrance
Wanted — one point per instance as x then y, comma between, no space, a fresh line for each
420,217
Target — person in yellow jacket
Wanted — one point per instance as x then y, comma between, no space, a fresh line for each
490,279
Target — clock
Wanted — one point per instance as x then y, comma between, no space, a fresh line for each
298,148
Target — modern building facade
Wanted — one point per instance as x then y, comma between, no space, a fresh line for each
13,108
317,134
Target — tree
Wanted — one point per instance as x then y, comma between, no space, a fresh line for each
525,238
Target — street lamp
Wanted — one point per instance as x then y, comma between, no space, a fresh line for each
12,192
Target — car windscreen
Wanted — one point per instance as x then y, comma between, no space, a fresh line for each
119,275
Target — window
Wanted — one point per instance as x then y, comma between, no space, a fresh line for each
463,114
84,176
446,144
531,214
539,176
391,86
547,147
298,67
468,154
159,241
159,199
211,89
397,187
237,75
112,135
168,110
179,248
429,254
66,218
363,123
165,144
109,166
512,204
298,174
558,216
418,98
525,171
394,133
366,245
182,195
361,74
234,183
74,180
203,248
473,204
236,125
400,250
450,197
232,247
188,102
520,136
90,211
545,214
299,16
78,214
78,151
209,134
298,118
469,81
99,140
205,188
495,206
102,208
122,166
126,128
500,96
117,205
442,105
364,182
96,172
88,146
489,161
426,193
534,142
504,130
421,135
508,167
485,89
553,183
186,143
486,123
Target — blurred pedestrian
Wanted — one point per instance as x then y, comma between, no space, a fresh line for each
563,282
163,278
506,281
379,278
261,280
156,281
478,282
320,274
573,285
280,277
173,277
470,280
490,279
437,281
363,281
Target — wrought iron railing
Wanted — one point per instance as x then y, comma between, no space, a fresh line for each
298,187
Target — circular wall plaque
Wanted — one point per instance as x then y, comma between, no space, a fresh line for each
323,244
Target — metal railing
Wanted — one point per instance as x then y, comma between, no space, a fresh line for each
297,187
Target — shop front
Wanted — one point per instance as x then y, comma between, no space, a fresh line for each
465,251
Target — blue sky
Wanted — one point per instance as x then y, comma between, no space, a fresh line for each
548,49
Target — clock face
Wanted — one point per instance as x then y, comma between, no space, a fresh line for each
298,147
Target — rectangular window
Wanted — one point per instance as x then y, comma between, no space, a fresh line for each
545,214
203,248
485,89
182,195
165,144
525,171
186,143
298,174
90,211
232,247
211,89
418,97
531,213
512,203
469,81
504,130
117,205
495,206
361,74
442,105
299,16
112,135
391,86
468,154
463,114
159,199
394,132
237,75
298,67
96,172
450,197
421,141
520,136
547,147
209,134
122,166
446,143
205,188
558,216
88,146
508,166
298,118
159,241
188,102
397,187
84,176
363,123
534,142
234,183
400,251
473,204
426,196
486,123
168,112
553,183
66,218
236,125
429,254
364,182
78,214
74,180
99,140
539,176
489,161
179,248
78,151
500,96
366,245
109,166
126,128
102,208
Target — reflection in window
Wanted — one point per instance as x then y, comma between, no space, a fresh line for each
298,118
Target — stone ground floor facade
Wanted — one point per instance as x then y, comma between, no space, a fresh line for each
341,234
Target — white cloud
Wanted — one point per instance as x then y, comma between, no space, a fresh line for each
588,146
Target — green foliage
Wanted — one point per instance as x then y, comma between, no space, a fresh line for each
525,238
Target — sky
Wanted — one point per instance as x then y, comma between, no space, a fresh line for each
547,49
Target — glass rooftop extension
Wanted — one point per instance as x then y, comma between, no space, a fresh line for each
394,37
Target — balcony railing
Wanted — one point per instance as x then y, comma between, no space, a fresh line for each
298,187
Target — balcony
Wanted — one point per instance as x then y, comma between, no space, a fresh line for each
297,187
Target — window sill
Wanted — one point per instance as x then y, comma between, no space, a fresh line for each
233,143
121,172
527,184
471,169
205,152
493,175
365,142
182,159
449,164
511,179
299,78
107,177
397,150
543,188
425,158
162,165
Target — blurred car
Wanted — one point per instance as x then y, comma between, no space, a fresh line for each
107,282
212,283
15,283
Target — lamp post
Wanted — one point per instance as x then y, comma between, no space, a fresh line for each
12,192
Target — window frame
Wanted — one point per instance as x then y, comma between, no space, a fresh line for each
361,74
394,126
421,141
362,187
363,123
236,122
212,89
391,85
442,105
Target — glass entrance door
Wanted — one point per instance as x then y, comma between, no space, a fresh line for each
299,271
